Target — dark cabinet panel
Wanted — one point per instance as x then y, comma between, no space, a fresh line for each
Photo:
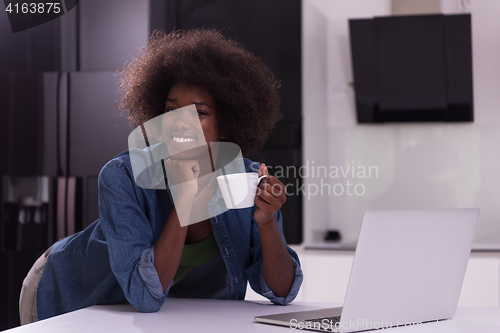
272,31
25,116
284,164
111,32
97,131
32,119
269,29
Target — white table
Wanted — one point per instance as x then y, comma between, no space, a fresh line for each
196,315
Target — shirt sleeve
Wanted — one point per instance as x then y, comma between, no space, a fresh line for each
297,281
129,237
149,274
255,270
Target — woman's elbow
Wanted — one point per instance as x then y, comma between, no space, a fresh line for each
147,307
148,303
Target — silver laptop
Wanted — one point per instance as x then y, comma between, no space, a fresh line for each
408,269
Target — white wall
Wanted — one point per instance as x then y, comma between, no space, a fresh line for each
435,165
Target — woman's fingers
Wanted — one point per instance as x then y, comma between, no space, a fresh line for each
182,170
264,206
183,173
272,191
263,170
271,195
195,168
272,185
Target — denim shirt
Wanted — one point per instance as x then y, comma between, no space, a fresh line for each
112,260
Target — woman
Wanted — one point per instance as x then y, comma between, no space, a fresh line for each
137,250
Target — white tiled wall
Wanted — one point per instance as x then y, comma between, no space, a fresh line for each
432,165
326,276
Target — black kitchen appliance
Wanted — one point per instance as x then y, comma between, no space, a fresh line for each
412,68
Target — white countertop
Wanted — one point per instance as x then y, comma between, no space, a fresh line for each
346,246
195,315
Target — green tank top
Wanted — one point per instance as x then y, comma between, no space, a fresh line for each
196,255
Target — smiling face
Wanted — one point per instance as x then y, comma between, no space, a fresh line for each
186,132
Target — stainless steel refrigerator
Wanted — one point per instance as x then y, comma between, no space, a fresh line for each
62,128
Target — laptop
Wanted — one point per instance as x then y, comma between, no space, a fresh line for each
408,269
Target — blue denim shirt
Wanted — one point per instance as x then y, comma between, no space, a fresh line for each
112,259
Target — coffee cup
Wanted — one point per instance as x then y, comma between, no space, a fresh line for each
239,189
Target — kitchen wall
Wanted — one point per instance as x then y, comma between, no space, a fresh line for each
396,165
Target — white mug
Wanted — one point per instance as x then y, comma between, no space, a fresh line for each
239,189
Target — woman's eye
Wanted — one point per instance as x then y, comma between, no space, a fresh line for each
194,112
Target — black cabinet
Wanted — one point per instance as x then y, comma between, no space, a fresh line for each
15,266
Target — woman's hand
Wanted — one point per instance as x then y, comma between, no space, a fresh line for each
270,197
277,263
183,174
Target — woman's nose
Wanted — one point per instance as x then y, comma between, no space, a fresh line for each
183,120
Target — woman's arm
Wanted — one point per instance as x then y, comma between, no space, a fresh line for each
141,267
129,237
278,267
168,248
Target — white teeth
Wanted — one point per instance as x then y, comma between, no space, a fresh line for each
183,140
